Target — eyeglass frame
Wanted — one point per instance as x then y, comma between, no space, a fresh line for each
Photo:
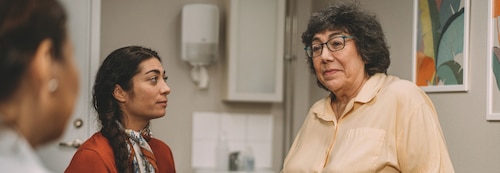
325,43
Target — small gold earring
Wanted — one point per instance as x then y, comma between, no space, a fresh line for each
53,84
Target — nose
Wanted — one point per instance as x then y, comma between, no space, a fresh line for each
165,89
326,55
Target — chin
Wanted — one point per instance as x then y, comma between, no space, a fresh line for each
159,115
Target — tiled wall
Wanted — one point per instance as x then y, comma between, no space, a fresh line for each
240,131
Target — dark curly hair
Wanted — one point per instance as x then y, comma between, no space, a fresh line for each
117,69
364,26
24,24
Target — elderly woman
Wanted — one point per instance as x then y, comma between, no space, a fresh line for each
38,80
370,121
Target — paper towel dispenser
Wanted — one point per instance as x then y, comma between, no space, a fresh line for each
200,39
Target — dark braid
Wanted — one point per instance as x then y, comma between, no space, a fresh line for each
117,69
116,139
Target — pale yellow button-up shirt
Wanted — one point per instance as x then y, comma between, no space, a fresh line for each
390,126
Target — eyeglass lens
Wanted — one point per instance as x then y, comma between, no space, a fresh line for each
334,44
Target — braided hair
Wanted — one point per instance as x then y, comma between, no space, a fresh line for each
117,69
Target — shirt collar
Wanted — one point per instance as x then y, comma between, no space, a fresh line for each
16,154
371,88
323,110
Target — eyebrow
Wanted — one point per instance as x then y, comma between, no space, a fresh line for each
329,36
154,71
335,34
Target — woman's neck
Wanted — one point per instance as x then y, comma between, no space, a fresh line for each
341,99
136,125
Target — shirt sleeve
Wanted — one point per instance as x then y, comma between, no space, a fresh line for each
85,161
420,141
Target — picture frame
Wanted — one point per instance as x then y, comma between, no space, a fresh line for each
493,61
441,45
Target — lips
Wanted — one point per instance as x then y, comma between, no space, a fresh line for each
328,74
329,71
163,103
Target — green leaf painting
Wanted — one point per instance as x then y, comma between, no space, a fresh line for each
440,43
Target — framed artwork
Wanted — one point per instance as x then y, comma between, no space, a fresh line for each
440,49
493,61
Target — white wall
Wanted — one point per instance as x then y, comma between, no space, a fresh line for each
472,141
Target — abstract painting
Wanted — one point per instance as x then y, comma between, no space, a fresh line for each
493,65
441,45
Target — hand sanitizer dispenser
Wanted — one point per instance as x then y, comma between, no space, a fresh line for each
200,39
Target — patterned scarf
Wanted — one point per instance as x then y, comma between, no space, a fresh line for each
140,154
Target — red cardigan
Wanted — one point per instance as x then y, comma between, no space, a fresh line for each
96,155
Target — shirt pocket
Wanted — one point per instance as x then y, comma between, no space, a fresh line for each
356,151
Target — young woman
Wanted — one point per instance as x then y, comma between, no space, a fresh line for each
130,89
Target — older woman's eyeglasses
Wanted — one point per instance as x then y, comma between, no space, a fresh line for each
334,44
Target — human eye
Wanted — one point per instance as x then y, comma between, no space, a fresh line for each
336,43
154,79
165,78
316,47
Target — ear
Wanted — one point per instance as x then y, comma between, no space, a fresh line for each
119,93
40,68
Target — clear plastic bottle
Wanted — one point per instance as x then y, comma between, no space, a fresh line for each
222,154
249,159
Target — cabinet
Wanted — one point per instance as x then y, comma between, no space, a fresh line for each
255,50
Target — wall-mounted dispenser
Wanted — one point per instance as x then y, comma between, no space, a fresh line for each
200,39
